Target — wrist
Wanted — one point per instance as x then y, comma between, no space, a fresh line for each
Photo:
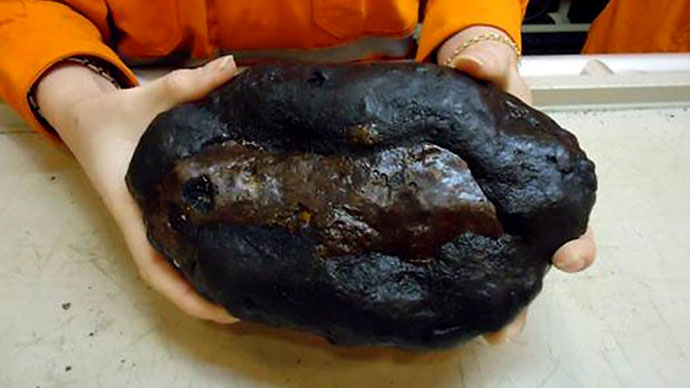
63,86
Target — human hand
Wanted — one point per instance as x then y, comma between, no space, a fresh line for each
101,126
497,63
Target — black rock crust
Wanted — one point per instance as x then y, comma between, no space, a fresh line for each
396,204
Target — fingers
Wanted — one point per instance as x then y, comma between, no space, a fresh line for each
162,277
508,332
189,84
177,87
158,272
517,86
576,255
573,256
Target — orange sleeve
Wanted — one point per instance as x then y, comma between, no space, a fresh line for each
644,26
444,18
34,35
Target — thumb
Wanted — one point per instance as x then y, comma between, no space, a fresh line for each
186,85
496,65
485,64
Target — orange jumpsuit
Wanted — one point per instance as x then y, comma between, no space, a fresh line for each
641,26
36,34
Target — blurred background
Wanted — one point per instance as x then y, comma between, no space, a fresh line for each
558,26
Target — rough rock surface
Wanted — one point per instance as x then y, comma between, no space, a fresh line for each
375,204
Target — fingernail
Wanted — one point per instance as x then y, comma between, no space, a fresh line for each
473,61
580,263
515,329
575,264
224,62
223,317
226,319
560,262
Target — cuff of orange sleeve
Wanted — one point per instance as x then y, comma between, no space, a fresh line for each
445,18
45,34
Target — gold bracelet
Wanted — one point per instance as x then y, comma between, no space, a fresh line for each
490,36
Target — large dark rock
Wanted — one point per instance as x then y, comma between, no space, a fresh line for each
380,204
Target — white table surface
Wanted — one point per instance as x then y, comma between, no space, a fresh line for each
74,314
